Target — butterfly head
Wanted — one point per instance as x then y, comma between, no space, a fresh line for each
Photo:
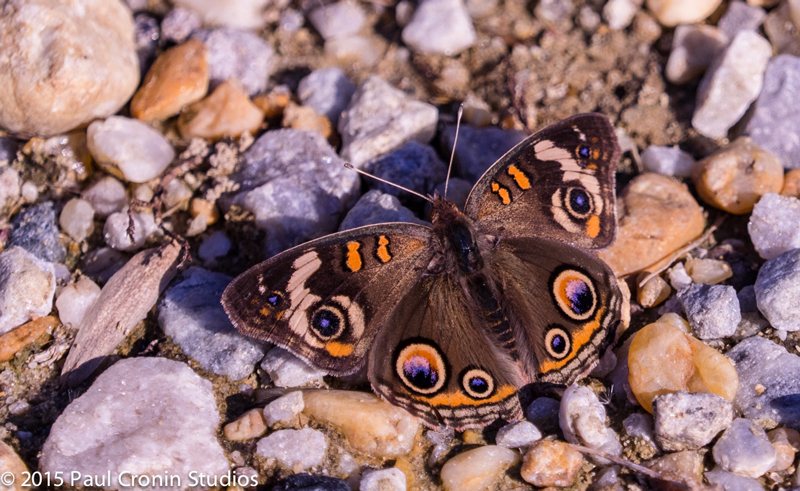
442,211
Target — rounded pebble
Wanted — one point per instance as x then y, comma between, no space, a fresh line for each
338,19
774,225
77,219
477,469
518,435
287,370
115,230
11,463
75,299
228,111
744,449
284,408
106,196
179,24
247,426
327,91
786,442
216,245
27,286
551,463
708,271
694,47
244,14
670,13
669,161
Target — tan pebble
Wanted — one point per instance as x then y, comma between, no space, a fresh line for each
11,463
791,183
199,206
657,216
652,293
473,437
786,442
677,321
551,464
670,13
709,271
371,426
305,118
226,112
477,469
735,177
177,78
13,341
273,103
249,425
714,372
685,467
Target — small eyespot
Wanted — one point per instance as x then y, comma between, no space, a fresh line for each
421,367
557,342
583,151
574,294
578,202
274,299
477,383
328,322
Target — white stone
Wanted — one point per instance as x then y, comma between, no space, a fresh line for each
287,370
694,47
774,225
518,435
582,418
115,230
244,14
744,449
77,219
339,19
142,415
669,161
296,449
619,13
75,299
670,13
106,196
216,245
731,84
440,27
284,408
129,148
27,286
177,194
383,480
30,192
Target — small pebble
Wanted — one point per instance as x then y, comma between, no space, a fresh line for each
440,27
708,271
554,10
327,91
17,339
741,16
685,421
179,24
670,13
77,219
774,225
227,112
29,192
297,450
291,20
284,409
619,13
375,207
234,53
737,176
216,245
383,480
712,310
694,47
678,277
744,449
306,119
287,370
786,442
35,230
106,196
248,426
307,482
685,467
654,292
777,289
75,299
551,463
9,188
658,216
518,435
589,19
640,425
129,149
478,148
339,19
669,161
582,418
731,85
781,28
730,481
478,468
242,14
115,230
177,194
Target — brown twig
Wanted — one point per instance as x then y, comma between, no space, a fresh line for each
626,463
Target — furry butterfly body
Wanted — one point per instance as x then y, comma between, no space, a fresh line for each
452,320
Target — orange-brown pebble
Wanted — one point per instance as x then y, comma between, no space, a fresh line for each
177,78
657,216
226,112
13,341
305,118
663,359
199,206
735,177
551,463
273,103
13,468
786,442
249,425
791,183
473,437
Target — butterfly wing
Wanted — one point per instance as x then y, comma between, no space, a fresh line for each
326,299
560,180
564,305
435,358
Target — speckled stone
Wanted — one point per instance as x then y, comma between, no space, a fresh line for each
670,161
383,480
376,207
239,54
730,481
518,435
287,370
777,289
774,225
284,408
327,91
712,310
35,230
744,449
551,463
685,421
297,450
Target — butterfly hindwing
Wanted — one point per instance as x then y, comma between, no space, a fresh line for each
325,300
558,183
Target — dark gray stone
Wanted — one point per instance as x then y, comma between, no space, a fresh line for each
778,290
8,149
35,230
478,148
414,166
327,92
242,55
376,207
543,412
747,299
712,310
751,324
688,421
307,482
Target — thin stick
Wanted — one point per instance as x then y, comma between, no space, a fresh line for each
349,166
626,463
453,151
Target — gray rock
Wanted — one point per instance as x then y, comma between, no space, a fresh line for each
179,24
554,10
478,148
712,310
777,290
414,166
747,299
287,370
457,191
543,413
27,287
518,435
375,207
440,27
35,230
694,47
234,53
295,185
139,414
339,19
688,421
216,245
284,408
775,124
8,149
744,449
295,449
731,84
146,35
380,119
752,323
670,161
769,382
391,479
731,482
741,16
327,92
774,225
191,314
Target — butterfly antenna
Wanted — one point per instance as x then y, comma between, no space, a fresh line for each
350,166
453,152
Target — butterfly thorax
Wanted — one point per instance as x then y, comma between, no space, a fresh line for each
457,235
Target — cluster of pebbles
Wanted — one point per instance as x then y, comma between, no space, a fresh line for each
221,129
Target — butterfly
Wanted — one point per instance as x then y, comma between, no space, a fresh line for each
452,320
